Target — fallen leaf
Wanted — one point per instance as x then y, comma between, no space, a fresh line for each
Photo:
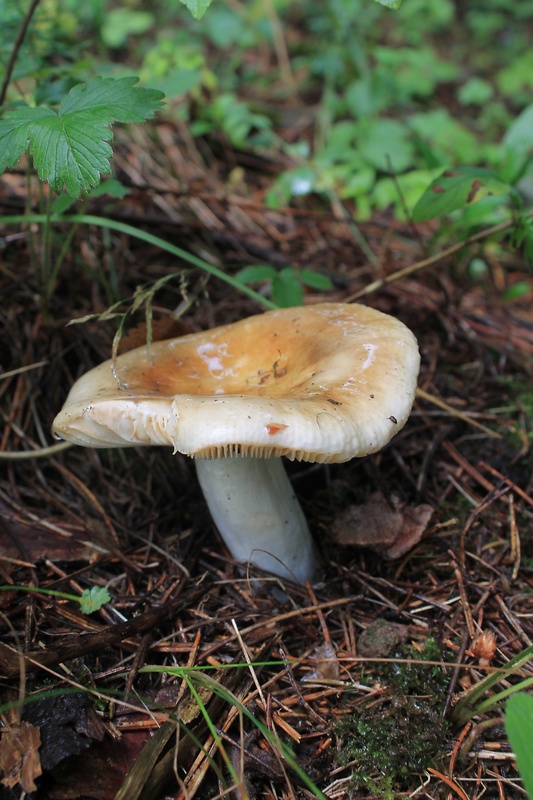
326,664
20,763
52,539
374,524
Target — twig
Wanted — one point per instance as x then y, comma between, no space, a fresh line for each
20,370
455,413
430,262
520,492
248,660
298,693
515,540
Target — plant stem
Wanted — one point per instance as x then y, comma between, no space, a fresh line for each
129,230
430,262
62,253
43,452
46,289
16,48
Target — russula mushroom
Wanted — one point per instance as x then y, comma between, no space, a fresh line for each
322,383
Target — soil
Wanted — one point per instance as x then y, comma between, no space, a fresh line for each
103,698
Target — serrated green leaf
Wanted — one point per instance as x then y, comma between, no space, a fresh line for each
113,100
93,599
15,132
256,273
458,188
70,147
197,7
519,728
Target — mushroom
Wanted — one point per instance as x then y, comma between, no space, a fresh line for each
322,383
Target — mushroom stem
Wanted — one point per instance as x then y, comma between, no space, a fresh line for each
254,507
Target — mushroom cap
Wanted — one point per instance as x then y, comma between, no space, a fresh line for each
319,383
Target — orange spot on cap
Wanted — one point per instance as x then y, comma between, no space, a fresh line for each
275,427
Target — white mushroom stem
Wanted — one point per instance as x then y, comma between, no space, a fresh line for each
254,507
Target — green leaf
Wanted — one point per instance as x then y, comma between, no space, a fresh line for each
516,291
394,4
519,135
93,599
476,91
287,290
519,727
197,7
315,279
458,188
385,145
61,204
113,100
70,146
110,187
119,23
256,274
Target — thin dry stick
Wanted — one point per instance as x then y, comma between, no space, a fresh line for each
430,262
513,621
248,660
520,492
455,413
298,693
19,370
320,615
515,540
464,599
280,46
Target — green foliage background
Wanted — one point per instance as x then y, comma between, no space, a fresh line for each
368,103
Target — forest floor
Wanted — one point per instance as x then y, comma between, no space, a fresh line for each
362,676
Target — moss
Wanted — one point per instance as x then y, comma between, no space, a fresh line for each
402,734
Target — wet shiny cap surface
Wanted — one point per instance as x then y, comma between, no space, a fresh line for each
319,383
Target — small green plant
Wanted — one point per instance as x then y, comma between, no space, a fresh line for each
89,601
479,700
198,681
69,145
286,286
475,194
157,241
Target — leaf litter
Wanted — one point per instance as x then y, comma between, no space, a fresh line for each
180,609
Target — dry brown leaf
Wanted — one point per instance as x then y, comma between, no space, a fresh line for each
19,756
33,542
374,524
326,664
